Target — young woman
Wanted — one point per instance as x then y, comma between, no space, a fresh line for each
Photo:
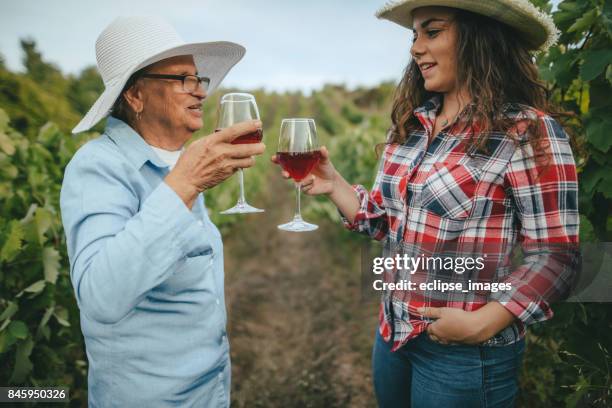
472,157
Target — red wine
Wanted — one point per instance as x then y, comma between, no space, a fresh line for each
253,137
298,165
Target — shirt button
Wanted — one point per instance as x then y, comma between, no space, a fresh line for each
221,375
223,338
201,223
218,302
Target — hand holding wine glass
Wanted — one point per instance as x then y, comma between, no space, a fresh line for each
325,179
210,160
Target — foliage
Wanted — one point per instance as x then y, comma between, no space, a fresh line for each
40,339
568,361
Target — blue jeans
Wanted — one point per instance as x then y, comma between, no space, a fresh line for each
424,374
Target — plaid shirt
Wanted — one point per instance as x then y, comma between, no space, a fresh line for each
429,194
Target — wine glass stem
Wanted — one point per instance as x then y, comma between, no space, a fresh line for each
241,199
298,213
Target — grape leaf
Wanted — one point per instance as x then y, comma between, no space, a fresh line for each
584,22
598,134
12,244
36,287
594,63
6,341
18,329
61,315
6,144
10,310
43,218
23,365
51,264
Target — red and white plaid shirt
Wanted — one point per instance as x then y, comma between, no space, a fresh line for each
434,193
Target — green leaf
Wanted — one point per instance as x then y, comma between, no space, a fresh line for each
598,134
50,259
23,365
605,187
18,329
6,144
8,171
12,244
44,219
594,63
6,341
42,326
584,22
609,74
590,179
48,133
61,315
568,6
36,287
5,324
10,311
587,232
4,120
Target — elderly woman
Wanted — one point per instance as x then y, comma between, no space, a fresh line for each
473,159
146,262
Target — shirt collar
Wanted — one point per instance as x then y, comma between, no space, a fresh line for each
426,113
131,144
430,106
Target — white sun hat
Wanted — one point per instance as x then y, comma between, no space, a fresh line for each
131,43
536,27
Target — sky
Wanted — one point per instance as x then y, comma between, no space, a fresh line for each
291,45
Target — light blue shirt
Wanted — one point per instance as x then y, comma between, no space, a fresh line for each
148,278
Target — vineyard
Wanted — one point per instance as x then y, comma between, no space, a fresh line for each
300,330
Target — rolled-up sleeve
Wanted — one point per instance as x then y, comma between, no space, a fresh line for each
371,218
121,247
544,192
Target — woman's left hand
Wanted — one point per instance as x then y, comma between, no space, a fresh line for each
458,326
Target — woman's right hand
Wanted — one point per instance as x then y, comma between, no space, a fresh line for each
322,178
325,179
212,159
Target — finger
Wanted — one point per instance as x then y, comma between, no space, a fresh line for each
245,150
243,163
228,134
286,174
432,312
274,159
432,332
324,153
308,182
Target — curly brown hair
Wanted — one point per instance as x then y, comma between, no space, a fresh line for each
496,67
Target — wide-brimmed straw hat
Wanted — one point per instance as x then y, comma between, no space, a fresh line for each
131,43
536,27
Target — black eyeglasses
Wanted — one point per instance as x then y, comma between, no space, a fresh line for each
190,82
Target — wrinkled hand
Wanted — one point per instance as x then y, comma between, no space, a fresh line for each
321,179
212,159
454,325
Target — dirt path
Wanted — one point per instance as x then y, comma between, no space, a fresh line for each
300,334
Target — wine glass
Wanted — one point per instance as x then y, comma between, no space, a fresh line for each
298,153
235,108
